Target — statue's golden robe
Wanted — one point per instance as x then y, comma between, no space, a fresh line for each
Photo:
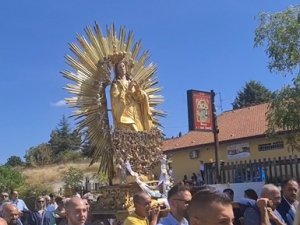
130,108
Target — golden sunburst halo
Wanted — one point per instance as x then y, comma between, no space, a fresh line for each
94,55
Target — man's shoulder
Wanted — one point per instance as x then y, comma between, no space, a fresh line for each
284,206
19,202
166,220
251,216
170,219
133,220
278,215
251,210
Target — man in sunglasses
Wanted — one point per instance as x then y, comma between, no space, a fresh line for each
4,196
4,199
179,197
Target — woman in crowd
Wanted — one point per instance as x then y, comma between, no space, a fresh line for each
39,216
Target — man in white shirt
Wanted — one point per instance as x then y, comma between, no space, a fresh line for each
18,202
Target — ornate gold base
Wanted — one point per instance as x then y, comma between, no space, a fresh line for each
115,198
142,149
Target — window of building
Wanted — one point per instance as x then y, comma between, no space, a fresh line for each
194,154
271,146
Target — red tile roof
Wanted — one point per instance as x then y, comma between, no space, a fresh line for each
236,124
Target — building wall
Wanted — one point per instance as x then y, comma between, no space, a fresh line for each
245,150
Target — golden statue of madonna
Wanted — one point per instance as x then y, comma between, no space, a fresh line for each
130,104
124,126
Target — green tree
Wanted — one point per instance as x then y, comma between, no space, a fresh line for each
284,114
63,139
14,161
253,93
10,179
279,32
86,147
39,155
69,156
73,178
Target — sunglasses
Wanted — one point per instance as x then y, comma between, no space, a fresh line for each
40,201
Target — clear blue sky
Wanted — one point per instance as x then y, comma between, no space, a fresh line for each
197,44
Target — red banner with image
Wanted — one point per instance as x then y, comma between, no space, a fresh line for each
202,108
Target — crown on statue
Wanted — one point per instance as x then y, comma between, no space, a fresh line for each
116,57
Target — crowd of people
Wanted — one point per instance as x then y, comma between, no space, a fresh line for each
204,205
196,179
275,205
48,210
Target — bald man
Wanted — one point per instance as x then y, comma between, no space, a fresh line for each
142,205
11,214
76,211
2,221
264,211
210,207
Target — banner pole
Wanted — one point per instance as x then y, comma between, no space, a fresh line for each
216,138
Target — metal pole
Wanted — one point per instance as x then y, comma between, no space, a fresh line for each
216,138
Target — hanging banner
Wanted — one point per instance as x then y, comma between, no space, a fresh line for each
200,110
238,151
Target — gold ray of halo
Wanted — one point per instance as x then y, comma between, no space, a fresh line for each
91,76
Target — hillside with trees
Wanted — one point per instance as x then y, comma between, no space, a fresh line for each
64,145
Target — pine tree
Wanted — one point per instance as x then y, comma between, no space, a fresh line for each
253,93
63,139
